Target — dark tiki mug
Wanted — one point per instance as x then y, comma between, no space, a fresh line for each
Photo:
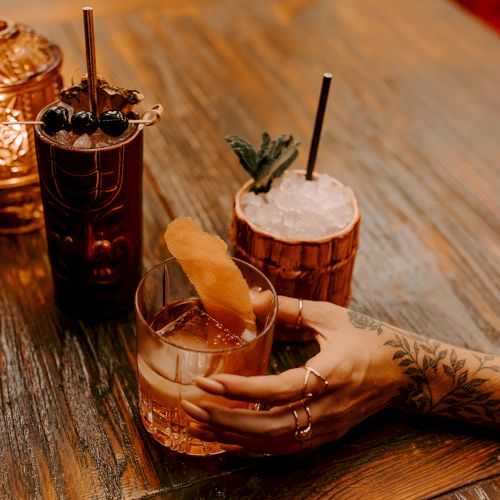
92,200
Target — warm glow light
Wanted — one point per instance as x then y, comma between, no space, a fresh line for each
29,80
13,139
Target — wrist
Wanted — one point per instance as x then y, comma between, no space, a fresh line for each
413,365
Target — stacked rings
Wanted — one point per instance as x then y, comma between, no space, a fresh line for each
302,433
299,316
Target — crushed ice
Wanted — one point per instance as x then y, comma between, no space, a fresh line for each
295,208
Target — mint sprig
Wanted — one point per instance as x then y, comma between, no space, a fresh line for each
270,161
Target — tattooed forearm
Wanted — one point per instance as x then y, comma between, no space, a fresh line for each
441,378
440,381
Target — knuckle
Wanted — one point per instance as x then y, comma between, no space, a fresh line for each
344,370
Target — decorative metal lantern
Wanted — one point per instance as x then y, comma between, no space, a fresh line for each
29,80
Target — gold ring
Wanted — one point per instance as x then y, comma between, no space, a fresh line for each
299,317
310,370
302,434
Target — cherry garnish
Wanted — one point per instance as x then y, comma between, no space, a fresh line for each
84,122
55,119
113,123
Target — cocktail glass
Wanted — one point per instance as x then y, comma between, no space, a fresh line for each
92,200
177,342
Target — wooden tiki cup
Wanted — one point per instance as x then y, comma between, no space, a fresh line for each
317,269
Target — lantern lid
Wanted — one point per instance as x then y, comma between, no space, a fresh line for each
24,54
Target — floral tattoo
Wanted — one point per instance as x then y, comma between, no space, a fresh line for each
462,394
364,322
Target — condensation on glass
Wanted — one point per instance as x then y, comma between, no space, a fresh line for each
29,79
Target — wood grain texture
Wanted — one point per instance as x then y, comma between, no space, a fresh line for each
412,126
482,490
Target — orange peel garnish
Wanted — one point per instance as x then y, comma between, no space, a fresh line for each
221,286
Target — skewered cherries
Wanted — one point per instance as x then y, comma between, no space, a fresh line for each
55,119
84,122
113,123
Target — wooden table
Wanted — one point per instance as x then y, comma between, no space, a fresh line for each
412,126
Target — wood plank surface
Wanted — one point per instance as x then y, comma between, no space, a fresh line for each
479,491
412,126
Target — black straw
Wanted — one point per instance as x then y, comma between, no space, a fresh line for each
318,124
88,23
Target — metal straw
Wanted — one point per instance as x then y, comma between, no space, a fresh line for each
320,113
88,22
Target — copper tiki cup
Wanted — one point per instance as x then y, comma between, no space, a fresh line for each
92,201
318,269
29,80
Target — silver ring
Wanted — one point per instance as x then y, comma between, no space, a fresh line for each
299,317
302,434
310,370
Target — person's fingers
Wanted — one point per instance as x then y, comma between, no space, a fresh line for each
306,316
270,389
290,385
231,441
222,438
201,433
231,447
263,302
275,422
323,319
289,309
273,431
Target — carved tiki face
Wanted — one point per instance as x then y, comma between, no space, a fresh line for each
92,205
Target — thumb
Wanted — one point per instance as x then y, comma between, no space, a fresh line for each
289,311
317,317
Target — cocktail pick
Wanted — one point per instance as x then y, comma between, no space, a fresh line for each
320,113
150,117
88,23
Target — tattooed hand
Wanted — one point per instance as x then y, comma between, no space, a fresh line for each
363,366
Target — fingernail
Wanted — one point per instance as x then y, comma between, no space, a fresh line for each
231,447
210,385
195,411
